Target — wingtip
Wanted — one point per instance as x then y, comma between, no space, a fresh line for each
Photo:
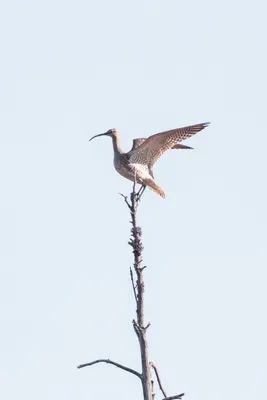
205,124
162,194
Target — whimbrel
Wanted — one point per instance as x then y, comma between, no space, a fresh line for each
138,162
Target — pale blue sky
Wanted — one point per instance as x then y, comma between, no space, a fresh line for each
70,70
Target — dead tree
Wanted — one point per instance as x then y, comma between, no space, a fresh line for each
139,325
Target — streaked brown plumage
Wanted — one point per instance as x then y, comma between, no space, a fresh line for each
138,162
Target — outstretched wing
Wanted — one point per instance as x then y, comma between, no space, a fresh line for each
150,150
137,143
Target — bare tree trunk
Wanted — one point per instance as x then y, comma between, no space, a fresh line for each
139,326
139,288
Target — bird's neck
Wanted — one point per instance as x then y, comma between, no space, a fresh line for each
116,145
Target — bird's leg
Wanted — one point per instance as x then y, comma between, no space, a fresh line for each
143,188
140,192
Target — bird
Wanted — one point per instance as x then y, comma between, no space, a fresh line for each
137,164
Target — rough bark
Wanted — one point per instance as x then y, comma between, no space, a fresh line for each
140,328
139,324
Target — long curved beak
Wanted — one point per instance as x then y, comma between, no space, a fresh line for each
101,134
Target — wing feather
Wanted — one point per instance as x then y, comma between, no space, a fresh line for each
137,142
154,146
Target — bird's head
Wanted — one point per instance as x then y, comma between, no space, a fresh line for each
110,132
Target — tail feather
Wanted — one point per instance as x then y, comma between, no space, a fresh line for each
152,185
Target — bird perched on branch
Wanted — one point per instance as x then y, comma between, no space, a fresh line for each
137,164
